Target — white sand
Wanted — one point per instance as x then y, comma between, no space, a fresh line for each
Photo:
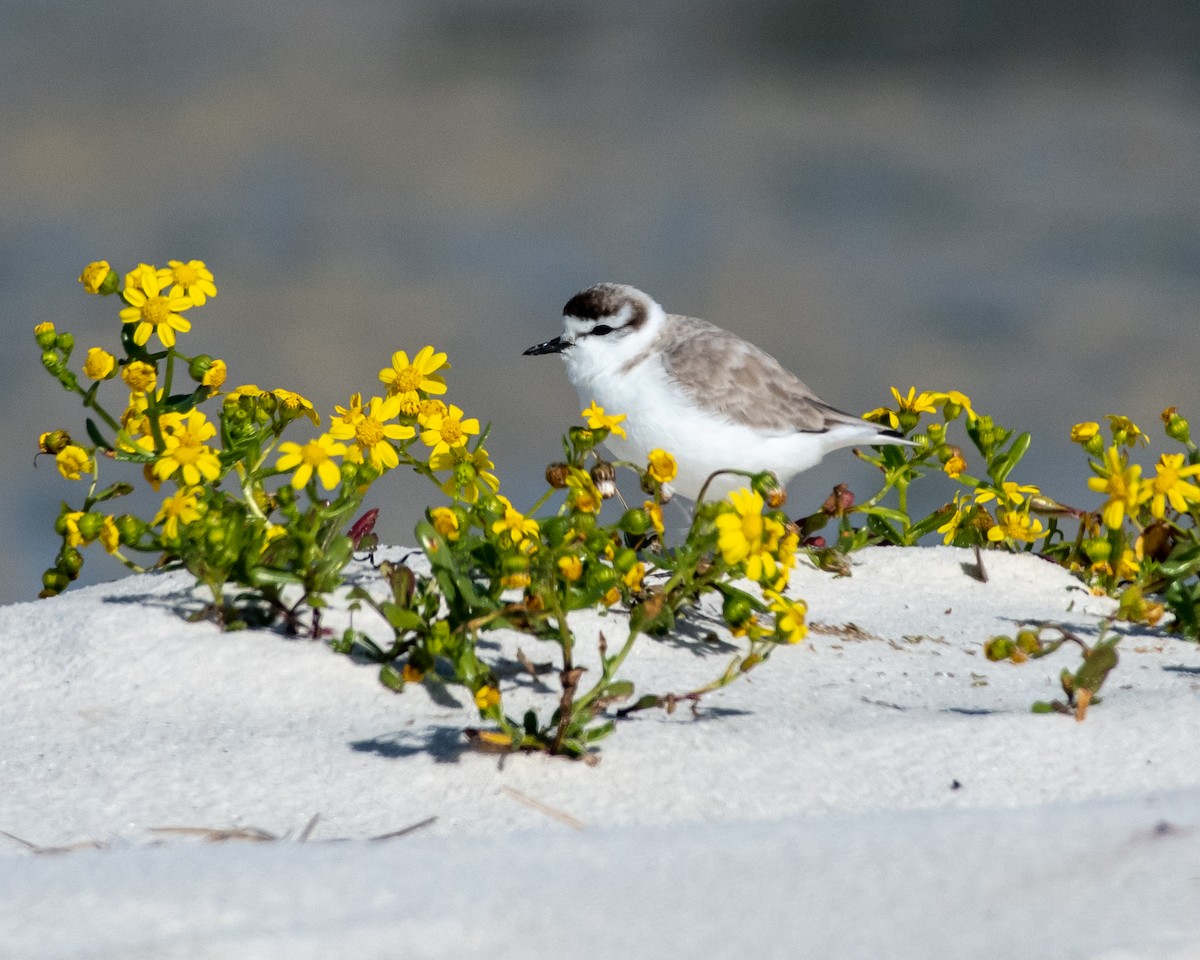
807,811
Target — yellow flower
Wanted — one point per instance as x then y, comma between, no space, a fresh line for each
1012,493
613,596
186,451
745,536
487,697
192,280
1083,432
1126,491
914,402
448,430
1170,485
214,376
151,310
315,455
1015,525
139,376
515,524
471,472
368,427
1125,431
72,461
110,536
662,466
94,275
790,624
99,364
445,522
405,379
883,415
571,567
951,526
785,558
135,276
597,419
582,494
73,537
426,409
245,390
515,581
411,674
349,415
632,577
654,512
954,467
294,405
182,507
951,399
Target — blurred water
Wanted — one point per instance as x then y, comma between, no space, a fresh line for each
939,194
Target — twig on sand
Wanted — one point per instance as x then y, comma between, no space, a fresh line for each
552,812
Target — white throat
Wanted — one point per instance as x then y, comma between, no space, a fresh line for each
593,357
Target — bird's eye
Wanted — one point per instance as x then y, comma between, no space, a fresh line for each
601,329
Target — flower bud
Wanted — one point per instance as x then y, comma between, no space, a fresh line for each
65,342
736,609
130,528
1177,427
1028,641
89,526
1094,446
199,367
999,648
556,475
54,582
604,476
635,522
54,441
45,335
839,502
100,278
583,439
625,559
908,420
50,361
465,473
767,486
69,561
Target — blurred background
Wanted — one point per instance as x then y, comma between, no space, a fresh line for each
994,196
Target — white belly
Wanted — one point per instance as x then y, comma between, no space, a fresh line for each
660,417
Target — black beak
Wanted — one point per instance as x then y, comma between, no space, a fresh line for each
557,345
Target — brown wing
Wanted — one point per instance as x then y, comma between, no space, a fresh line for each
742,383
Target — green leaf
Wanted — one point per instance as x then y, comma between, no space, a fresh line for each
621,689
930,523
95,435
266,577
887,513
401,619
391,678
599,732
1183,562
1003,464
183,402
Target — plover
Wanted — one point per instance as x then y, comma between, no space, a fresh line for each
708,397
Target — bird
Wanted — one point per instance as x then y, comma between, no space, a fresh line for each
712,400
